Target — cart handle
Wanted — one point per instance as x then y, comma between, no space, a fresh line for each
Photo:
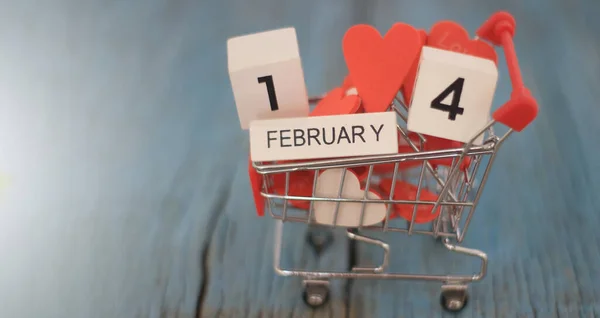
521,109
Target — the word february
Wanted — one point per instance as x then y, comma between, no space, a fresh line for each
323,137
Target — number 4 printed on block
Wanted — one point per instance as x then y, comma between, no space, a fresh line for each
453,95
266,76
453,109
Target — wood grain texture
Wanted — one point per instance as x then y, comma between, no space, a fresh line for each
241,281
115,153
127,195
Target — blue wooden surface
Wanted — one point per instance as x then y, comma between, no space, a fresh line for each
123,168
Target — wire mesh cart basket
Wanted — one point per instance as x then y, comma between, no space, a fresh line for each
430,188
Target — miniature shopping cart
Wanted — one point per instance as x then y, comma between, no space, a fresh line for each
453,178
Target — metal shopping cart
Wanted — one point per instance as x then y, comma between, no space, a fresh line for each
452,177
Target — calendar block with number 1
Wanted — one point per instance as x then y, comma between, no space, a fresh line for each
453,95
266,75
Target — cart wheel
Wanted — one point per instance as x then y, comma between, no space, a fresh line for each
319,239
454,300
316,295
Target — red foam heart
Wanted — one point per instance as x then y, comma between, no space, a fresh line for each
432,144
406,191
409,82
256,182
436,143
378,66
337,103
347,84
443,144
300,184
451,36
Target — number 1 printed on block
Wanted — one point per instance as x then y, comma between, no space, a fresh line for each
268,80
453,95
266,75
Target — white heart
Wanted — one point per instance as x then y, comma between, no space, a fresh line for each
349,214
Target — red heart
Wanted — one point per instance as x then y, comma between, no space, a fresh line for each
451,36
378,66
436,143
300,184
347,84
433,144
406,191
409,83
256,182
337,103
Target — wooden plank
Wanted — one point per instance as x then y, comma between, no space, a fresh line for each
537,217
113,138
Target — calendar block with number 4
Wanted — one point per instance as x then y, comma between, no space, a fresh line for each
453,95
266,76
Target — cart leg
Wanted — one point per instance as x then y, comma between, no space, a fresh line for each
454,297
353,235
443,224
316,292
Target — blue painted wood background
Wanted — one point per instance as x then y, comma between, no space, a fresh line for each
122,165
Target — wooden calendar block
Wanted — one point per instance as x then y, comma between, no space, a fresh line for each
453,95
266,76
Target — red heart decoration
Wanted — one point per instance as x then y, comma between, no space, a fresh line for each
256,182
337,103
433,144
406,191
436,143
378,66
409,83
301,185
451,36
347,84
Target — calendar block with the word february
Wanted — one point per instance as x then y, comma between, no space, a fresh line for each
323,137
266,75
453,95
